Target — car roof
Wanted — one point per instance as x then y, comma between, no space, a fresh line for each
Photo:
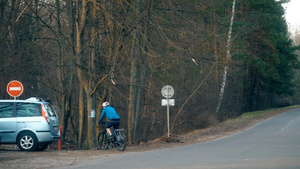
29,100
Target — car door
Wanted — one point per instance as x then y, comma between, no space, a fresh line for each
7,122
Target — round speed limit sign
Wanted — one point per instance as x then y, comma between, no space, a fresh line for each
167,91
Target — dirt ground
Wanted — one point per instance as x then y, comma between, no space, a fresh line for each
11,157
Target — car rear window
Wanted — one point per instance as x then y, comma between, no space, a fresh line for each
6,110
28,109
50,110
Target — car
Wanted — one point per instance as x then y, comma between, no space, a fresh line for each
32,124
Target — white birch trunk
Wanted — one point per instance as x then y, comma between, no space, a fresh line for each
223,84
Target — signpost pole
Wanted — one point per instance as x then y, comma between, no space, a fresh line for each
168,92
168,115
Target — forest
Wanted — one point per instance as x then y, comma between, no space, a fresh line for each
222,57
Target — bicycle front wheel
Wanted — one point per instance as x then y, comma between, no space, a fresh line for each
102,141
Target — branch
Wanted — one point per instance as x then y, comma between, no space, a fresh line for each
180,110
100,81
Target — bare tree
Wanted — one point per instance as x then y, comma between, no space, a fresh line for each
84,67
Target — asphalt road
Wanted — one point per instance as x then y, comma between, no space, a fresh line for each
272,144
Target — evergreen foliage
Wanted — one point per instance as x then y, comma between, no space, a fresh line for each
271,61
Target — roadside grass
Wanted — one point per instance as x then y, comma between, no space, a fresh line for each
233,125
248,119
218,130
261,114
258,113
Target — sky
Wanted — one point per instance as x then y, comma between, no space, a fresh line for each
292,14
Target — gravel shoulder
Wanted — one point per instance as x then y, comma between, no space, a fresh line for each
11,157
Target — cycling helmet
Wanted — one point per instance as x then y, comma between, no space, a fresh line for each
105,104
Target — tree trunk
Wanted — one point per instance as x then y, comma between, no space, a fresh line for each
85,66
92,69
143,74
217,82
64,88
133,87
140,102
80,26
81,118
91,123
227,59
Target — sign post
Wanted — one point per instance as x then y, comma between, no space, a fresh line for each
14,88
168,92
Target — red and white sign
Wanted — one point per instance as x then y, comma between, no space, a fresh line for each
14,88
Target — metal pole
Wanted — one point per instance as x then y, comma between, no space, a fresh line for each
168,113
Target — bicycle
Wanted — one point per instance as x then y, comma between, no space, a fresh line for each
118,140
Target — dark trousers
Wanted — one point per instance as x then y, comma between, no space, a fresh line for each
113,123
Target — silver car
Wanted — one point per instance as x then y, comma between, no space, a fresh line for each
31,124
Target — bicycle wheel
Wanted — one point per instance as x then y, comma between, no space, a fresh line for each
102,141
121,141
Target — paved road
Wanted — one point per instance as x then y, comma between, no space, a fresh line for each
272,144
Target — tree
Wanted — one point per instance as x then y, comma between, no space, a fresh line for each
227,58
271,59
85,67
138,76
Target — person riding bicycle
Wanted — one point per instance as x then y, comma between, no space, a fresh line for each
112,116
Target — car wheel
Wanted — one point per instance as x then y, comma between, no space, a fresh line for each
27,141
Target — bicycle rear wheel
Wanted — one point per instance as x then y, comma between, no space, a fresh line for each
102,141
121,140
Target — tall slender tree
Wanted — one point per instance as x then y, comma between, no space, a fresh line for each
228,48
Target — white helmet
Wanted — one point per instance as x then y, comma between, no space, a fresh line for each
105,104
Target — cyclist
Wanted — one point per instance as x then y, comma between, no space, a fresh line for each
112,116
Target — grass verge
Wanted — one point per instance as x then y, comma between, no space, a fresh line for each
233,125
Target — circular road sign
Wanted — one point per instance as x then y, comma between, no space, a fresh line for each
14,88
167,91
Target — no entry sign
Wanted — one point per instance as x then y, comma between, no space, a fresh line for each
14,88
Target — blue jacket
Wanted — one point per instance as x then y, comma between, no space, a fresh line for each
110,113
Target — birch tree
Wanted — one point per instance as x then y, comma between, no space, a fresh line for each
223,83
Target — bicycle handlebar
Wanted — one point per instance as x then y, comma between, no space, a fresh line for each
102,123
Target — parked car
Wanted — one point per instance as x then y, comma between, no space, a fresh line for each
31,124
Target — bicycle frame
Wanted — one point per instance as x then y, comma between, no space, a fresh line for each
119,134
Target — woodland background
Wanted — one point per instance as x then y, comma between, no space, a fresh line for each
223,58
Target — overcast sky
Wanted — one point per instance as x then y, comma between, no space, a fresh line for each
292,14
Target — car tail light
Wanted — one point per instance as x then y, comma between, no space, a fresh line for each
45,114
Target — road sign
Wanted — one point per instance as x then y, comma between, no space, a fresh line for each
166,102
167,91
14,88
